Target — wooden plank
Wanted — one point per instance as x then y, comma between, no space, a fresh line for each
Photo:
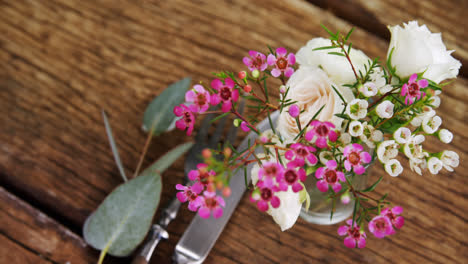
65,60
448,17
38,234
10,252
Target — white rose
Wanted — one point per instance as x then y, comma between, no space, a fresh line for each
312,89
337,67
418,50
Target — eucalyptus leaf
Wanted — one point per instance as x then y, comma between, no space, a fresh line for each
115,151
122,221
158,116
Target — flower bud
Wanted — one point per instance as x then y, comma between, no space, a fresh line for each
255,73
294,110
210,187
227,191
434,165
345,198
241,74
247,88
282,89
227,152
237,122
219,185
445,135
206,153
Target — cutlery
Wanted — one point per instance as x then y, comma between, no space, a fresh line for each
158,231
201,235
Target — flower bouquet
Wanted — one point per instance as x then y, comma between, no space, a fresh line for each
338,111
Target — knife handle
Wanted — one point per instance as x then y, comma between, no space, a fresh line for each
144,255
139,260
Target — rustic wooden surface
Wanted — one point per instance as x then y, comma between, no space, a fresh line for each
63,61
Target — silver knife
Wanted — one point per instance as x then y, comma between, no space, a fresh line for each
201,235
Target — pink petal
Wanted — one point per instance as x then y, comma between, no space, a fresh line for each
253,53
247,61
204,212
413,78
347,165
289,154
229,83
309,135
322,185
343,230
404,89
423,83
275,202
199,88
216,84
357,147
281,51
271,59
288,72
180,187
235,95
347,150
275,72
350,242
218,212
263,66
226,106
319,173
291,59
190,96
331,164
297,187
397,210
366,157
197,187
361,242
312,159
302,174
215,99
341,176
321,142
178,111
359,169
182,197
294,110
262,205
399,222
336,187
193,108
204,108
180,124
189,130
244,127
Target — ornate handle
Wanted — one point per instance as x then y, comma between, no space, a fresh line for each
144,256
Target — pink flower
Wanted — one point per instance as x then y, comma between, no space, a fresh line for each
299,153
270,172
282,62
226,93
264,196
381,226
329,176
188,118
322,131
294,110
355,237
199,97
355,157
211,203
190,194
394,216
257,61
292,177
412,89
244,126
201,174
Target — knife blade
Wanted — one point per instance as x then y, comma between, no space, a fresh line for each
201,235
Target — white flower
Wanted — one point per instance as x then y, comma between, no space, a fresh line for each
449,159
370,135
357,109
401,135
345,138
417,50
378,78
417,120
393,167
337,67
434,101
355,128
369,89
311,89
445,135
413,148
325,156
434,165
387,150
290,206
431,122
385,109
377,135
418,165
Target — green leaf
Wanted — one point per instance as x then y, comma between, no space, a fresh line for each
349,33
324,48
372,187
121,222
336,53
123,219
339,94
158,115
115,151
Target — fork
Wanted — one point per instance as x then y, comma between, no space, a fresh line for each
202,141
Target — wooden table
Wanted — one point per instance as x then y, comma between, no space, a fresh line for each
61,62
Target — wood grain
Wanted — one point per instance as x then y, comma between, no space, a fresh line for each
65,60
448,17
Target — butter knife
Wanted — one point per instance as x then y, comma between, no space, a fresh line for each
201,235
